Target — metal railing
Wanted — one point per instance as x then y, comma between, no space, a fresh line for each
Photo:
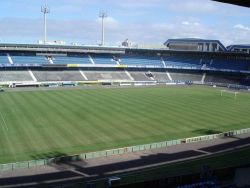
118,151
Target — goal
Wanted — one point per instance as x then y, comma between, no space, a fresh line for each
223,92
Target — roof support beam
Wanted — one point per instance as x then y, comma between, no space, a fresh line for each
244,3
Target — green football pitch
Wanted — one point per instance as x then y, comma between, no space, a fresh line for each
41,124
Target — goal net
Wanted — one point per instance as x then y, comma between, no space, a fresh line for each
228,92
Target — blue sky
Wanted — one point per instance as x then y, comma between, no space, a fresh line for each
142,21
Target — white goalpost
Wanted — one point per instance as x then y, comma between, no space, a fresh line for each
235,93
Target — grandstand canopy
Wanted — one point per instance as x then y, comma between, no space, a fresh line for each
245,48
245,3
193,44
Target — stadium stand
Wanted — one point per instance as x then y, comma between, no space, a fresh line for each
182,61
141,61
171,61
220,63
3,59
106,75
222,78
217,63
103,59
193,44
29,59
71,59
186,77
239,48
161,76
15,76
209,63
58,75
246,81
140,76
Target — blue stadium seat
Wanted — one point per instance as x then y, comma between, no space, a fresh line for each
230,64
141,61
29,59
104,59
173,61
71,60
191,62
4,60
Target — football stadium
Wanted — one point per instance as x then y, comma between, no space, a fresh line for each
100,116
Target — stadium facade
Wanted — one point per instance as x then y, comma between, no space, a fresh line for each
183,61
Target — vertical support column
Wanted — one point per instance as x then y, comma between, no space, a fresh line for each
45,28
103,15
102,31
45,10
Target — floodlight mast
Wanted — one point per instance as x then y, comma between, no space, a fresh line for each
45,10
103,15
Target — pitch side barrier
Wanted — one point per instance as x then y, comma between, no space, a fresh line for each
118,151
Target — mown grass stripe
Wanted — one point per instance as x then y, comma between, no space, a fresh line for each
53,123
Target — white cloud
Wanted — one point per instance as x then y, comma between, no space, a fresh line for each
67,9
108,20
132,4
242,27
130,19
162,26
190,23
194,6
185,23
196,23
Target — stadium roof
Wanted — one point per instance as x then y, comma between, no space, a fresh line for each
194,40
244,46
245,3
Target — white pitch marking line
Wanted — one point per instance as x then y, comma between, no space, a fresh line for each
5,127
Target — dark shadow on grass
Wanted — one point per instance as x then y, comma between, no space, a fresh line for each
48,155
58,159
206,131
225,135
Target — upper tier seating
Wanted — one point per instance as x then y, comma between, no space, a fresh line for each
4,59
103,59
183,61
212,63
230,64
140,61
173,61
29,59
71,60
